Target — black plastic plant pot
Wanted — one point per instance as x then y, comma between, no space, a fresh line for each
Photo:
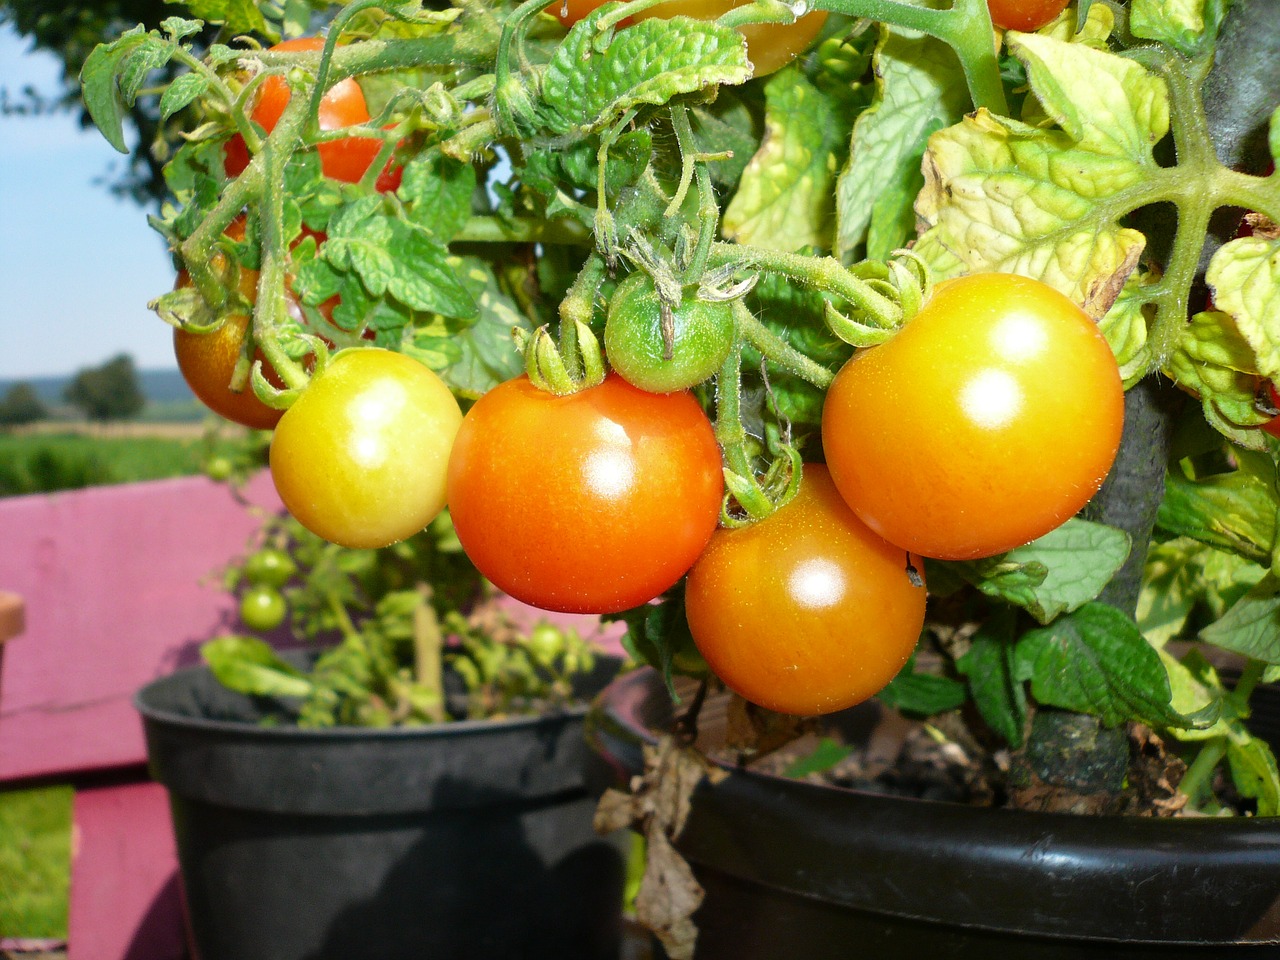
468,840
794,869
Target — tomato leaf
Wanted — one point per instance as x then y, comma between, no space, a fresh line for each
112,75
827,754
252,667
924,694
920,88
485,352
1214,360
239,16
1095,661
997,688
784,197
1181,24
592,81
184,90
1233,511
1199,693
1004,195
1182,576
1245,277
1252,626
1254,772
439,191
1060,572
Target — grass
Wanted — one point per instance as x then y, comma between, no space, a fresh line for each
35,862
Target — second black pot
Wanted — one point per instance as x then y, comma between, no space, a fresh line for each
462,840
793,869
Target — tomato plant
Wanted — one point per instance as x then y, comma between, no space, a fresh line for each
770,46
701,336
807,611
343,105
594,502
360,457
1024,14
987,421
262,608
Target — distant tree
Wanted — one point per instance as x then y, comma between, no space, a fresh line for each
108,392
21,404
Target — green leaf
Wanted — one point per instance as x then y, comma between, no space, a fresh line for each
486,351
923,694
1197,692
784,198
1095,661
424,279
438,190
1252,625
1234,511
658,634
1245,277
1273,136
182,92
239,16
827,754
252,667
990,665
1125,324
592,81
1181,24
728,125
109,81
1213,360
1184,576
1254,773
1058,573
920,88
1001,195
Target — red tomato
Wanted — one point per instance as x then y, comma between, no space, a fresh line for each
987,421
1025,15
342,106
807,611
594,502
770,46
1272,426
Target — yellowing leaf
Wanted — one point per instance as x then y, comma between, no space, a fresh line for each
784,198
1245,277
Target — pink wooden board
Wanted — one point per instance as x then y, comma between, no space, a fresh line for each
118,591
126,900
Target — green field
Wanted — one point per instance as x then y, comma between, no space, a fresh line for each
46,461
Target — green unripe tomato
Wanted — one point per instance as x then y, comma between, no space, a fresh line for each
262,608
269,567
703,333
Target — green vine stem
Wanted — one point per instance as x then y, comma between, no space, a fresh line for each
778,351
825,274
732,435
965,27
428,655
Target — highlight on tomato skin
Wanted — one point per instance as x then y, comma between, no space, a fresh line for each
807,611
988,420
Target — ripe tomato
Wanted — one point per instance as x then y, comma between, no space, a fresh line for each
1272,426
360,457
1024,15
342,106
594,502
987,421
208,360
703,335
770,46
262,608
806,611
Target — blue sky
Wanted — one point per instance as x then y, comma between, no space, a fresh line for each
77,266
